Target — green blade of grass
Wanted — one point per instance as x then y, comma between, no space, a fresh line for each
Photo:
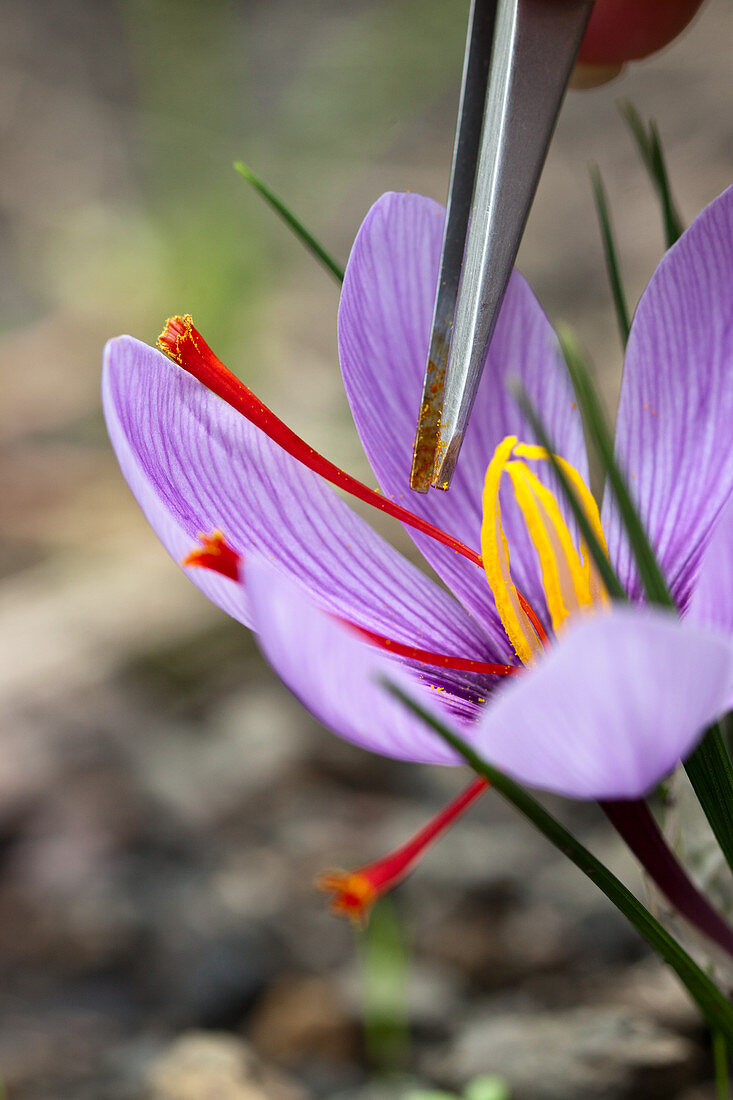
716,1009
650,147
673,226
610,254
650,575
305,237
638,130
720,1062
710,772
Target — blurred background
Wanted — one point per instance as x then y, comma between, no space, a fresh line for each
164,803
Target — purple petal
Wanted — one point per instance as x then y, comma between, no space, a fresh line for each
674,433
711,601
612,708
384,328
194,465
607,713
337,676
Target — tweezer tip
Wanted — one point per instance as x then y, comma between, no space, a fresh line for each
419,480
423,455
446,460
427,435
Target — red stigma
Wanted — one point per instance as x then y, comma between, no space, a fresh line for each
186,346
428,657
533,617
177,333
215,553
356,891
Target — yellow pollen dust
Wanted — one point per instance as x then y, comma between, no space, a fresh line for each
569,577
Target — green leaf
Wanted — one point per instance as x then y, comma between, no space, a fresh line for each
638,130
673,225
710,771
716,1009
430,1094
305,237
385,969
487,1087
720,1061
610,254
649,144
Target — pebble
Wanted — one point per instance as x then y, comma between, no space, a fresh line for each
204,1065
588,1053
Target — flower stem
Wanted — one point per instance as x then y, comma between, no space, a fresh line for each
385,966
716,1009
635,823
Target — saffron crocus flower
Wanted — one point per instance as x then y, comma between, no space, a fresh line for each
612,697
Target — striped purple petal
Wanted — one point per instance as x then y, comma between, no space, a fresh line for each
337,676
613,707
674,435
609,711
711,601
384,327
196,465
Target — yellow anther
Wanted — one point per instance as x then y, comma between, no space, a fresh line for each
569,578
588,501
563,576
495,554
586,498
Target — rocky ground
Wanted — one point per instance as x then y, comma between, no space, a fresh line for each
164,804
159,924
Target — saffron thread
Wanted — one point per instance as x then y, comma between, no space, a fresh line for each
356,891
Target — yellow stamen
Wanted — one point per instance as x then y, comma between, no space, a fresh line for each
539,454
562,572
588,502
571,581
495,554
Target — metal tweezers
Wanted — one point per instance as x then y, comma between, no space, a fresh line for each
518,61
